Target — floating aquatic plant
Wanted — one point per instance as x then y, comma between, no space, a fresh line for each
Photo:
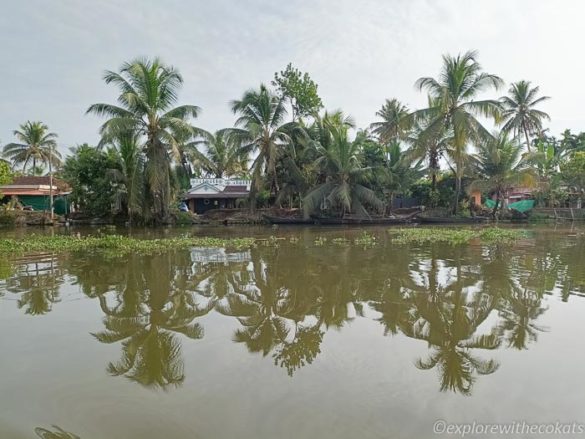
454,236
117,243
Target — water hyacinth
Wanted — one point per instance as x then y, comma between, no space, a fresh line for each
119,244
454,236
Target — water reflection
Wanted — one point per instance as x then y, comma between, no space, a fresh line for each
145,313
463,302
36,281
55,433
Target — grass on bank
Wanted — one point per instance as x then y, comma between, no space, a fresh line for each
454,236
118,243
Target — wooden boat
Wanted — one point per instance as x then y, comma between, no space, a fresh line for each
286,220
350,221
450,220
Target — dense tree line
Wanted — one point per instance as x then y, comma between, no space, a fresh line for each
299,155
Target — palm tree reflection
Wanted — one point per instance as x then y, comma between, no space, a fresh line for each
37,279
56,433
460,300
145,314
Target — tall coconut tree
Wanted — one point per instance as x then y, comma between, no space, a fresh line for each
36,146
519,113
345,176
260,129
454,106
148,93
429,148
222,158
394,124
499,166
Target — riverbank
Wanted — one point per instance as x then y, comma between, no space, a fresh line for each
20,218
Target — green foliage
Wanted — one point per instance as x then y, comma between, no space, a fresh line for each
345,187
500,167
365,240
574,173
116,243
6,174
444,192
223,157
37,146
454,109
93,190
299,89
572,142
394,125
519,114
148,93
453,236
260,129
184,218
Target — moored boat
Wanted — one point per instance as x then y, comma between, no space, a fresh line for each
451,220
348,221
286,220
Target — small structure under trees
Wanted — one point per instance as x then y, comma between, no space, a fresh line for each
216,193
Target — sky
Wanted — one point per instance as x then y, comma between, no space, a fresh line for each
54,53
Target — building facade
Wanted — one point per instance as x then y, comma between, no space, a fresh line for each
33,193
216,193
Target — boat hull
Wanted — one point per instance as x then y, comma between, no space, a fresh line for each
284,220
359,221
446,220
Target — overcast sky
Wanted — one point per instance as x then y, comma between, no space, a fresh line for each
361,52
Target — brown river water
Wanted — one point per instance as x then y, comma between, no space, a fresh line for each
304,339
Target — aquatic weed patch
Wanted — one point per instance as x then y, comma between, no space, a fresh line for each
117,243
365,240
454,236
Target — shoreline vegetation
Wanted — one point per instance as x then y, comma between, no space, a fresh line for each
125,244
301,157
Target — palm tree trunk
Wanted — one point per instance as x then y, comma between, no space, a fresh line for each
433,165
457,194
495,209
527,138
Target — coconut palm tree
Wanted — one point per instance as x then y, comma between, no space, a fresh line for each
519,113
499,165
130,172
37,146
345,176
454,108
430,149
394,124
148,93
223,157
260,129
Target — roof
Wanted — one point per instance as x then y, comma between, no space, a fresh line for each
32,185
236,189
206,188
